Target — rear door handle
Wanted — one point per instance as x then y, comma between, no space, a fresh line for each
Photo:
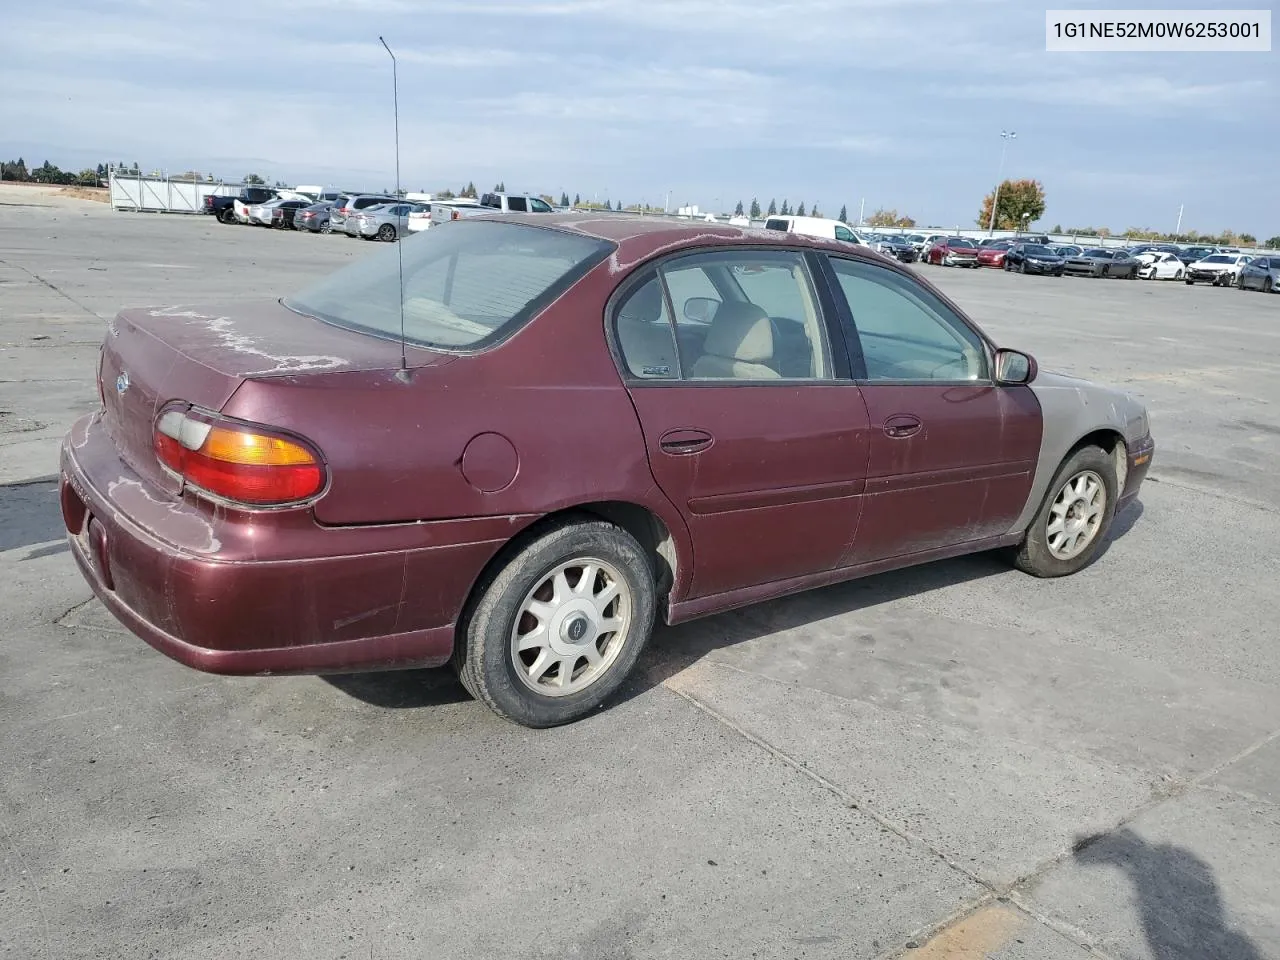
902,426
681,443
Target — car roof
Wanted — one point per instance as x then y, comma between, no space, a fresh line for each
641,237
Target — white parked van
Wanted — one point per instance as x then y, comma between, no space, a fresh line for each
813,227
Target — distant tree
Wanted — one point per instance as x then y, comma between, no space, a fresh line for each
1273,243
800,209
904,221
469,190
548,199
445,195
773,209
844,214
577,199
190,175
815,212
564,199
1248,238
88,177
1057,228
882,218
739,210
784,211
1021,202
48,173
253,178
755,209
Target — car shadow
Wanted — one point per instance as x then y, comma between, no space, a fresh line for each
30,515
1177,896
401,689
674,649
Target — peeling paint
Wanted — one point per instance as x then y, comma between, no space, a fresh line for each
176,524
224,329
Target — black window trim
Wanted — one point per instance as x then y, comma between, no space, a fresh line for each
849,327
837,353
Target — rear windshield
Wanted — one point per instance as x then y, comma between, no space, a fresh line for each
777,225
466,284
959,242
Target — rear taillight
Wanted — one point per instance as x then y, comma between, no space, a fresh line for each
454,215
232,460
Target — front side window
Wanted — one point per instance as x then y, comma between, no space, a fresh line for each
464,287
539,206
516,205
746,315
845,234
905,332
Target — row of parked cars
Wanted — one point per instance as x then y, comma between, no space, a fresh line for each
1220,266
371,216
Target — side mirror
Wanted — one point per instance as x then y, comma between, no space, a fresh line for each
1013,366
700,309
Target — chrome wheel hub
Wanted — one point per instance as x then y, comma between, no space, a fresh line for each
1076,515
571,627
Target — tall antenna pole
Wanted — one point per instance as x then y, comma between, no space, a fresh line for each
395,101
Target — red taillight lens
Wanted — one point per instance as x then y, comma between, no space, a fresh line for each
242,462
454,215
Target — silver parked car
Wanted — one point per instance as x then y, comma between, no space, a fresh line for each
388,221
1261,273
352,203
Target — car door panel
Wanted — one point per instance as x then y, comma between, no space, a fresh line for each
777,491
768,474
965,471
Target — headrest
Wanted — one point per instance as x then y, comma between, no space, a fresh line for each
740,331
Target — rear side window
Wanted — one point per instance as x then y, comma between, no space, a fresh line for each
464,288
516,205
783,225
646,338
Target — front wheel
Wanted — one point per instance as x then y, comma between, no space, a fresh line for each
1071,525
326,227
1266,285
386,233
559,626
1178,275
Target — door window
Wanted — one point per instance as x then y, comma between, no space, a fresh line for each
516,205
746,315
905,332
844,233
539,206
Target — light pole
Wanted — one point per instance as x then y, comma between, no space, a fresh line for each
1005,136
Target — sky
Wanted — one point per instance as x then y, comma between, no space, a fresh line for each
893,103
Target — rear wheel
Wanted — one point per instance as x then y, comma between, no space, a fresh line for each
326,227
1072,524
386,233
1178,275
227,216
560,624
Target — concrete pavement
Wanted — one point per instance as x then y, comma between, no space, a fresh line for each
952,761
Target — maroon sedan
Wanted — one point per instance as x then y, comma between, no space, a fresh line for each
553,434
952,252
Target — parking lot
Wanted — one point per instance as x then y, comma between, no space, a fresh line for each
951,761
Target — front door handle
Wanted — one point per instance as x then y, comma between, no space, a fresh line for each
681,443
902,426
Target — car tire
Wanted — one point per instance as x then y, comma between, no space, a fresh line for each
537,575
1190,283
326,227
227,216
386,233
1266,285
1088,475
1022,267
1178,275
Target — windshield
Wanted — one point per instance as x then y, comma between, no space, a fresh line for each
1036,250
1098,254
1219,258
466,284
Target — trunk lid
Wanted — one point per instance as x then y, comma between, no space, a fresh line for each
201,355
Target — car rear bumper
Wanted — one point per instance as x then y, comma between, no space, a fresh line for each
304,599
